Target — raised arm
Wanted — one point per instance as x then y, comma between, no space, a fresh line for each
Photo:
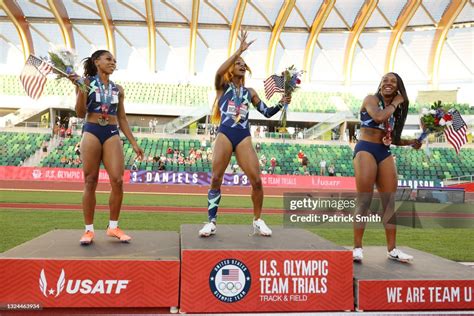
379,116
263,108
219,80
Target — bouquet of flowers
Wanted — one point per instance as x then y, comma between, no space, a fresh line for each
64,61
291,79
434,120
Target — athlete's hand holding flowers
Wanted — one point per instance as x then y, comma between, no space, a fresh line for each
64,62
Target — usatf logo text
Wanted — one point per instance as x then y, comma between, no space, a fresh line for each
230,280
80,286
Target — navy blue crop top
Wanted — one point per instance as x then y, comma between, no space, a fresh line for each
230,108
367,121
93,99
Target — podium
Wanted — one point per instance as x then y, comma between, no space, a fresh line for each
54,270
428,283
232,271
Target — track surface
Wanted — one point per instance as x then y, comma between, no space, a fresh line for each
161,189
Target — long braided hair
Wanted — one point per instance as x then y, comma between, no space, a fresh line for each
401,112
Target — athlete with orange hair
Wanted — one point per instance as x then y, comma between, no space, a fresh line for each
231,110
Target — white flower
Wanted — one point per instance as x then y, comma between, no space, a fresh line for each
448,123
442,122
424,111
433,112
67,56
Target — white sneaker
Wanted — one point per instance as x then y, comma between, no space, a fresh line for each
208,230
397,254
259,227
357,254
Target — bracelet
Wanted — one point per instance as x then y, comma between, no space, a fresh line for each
394,106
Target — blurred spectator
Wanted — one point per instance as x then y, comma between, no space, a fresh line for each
273,163
263,160
258,147
45,147
161,165
150,125
257,132
73,122
134,166
304,163
300,156
199,153
77,149
235,168
169,151
331,170
211,133
322,167
62,131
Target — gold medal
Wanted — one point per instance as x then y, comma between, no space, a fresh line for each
103,121
387,141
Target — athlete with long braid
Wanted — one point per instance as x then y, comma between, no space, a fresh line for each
231,110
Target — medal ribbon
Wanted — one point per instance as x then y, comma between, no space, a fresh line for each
105,98
237,100
389,128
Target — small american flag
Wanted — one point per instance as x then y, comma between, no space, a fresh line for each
456,133
230,274
273,84
33,76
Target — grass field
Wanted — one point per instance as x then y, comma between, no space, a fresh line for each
23,225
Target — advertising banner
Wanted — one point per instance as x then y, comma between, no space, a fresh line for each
272,281
415,294
51,174
88,283
268,180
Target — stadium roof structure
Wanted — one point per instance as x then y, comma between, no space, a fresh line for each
337,41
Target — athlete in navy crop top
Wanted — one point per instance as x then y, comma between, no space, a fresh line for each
231,110
382,117
103,109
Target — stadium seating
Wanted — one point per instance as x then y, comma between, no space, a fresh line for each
191,95
16,147
65,149
441,164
